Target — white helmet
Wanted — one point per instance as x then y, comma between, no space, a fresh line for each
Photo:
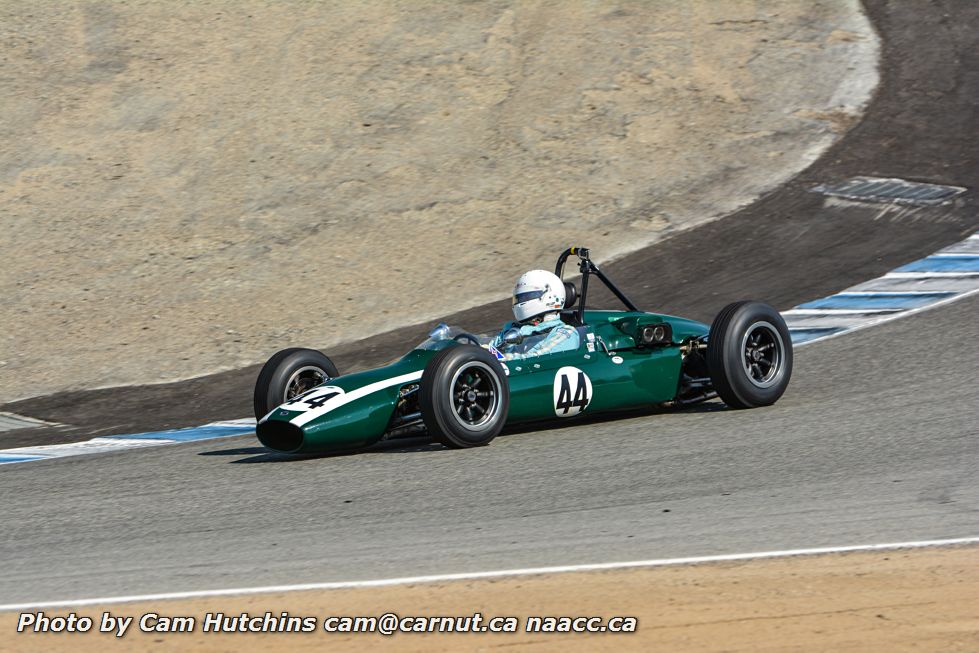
537,292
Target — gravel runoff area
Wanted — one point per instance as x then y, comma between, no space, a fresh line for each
904,600
188,187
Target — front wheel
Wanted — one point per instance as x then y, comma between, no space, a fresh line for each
288,374
464,397
749,355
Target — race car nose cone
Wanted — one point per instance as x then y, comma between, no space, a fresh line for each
280,436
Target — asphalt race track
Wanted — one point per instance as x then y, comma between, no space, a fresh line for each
874,441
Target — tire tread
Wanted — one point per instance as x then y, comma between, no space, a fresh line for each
260,399
431,413
717,359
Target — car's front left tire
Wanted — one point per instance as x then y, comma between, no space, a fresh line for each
464,397
288,374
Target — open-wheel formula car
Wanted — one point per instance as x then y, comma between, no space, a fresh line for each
460,389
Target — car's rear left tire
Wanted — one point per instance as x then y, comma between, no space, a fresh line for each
288,374
749,355
464,397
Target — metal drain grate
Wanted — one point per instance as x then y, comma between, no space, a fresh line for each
900,191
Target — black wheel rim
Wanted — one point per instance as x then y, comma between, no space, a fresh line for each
303,380
762,354
474,395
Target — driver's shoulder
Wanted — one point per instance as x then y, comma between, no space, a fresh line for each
557,324
566,332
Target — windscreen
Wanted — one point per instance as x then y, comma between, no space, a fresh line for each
444,332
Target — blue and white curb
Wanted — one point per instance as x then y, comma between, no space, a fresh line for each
946,276
132,441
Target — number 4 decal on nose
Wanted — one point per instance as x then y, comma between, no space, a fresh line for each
572,391
313,399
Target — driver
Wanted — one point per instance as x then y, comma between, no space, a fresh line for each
538,299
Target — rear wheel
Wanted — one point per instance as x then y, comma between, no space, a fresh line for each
464,397
749,355
288,374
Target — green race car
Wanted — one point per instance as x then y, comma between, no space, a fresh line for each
462,391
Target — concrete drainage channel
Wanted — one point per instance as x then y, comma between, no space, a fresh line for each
948,275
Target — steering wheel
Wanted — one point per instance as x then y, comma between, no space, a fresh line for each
467,338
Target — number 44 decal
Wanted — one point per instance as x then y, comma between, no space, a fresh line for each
572,391
313,399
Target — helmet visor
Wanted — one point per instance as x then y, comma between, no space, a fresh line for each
522,297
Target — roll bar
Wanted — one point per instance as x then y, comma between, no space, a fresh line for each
587,268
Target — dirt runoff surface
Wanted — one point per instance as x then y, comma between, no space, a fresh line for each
922,600
186,187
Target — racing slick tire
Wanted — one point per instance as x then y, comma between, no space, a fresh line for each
749,355
288,374
464,397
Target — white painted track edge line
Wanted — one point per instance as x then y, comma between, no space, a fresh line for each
925,275
502,573
839,311
881,293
